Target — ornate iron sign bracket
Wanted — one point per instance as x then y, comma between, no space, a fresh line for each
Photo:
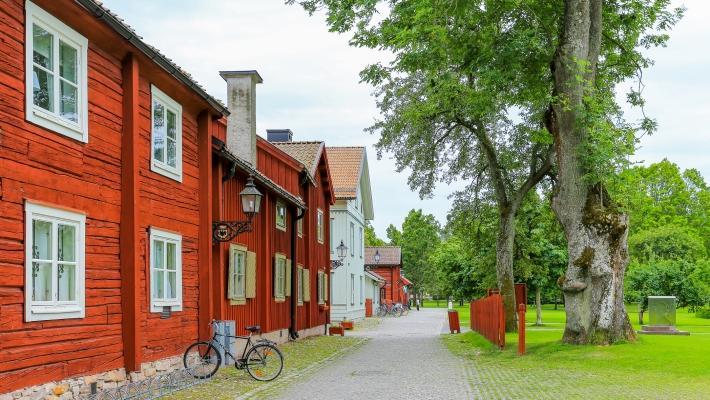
334,264
225,231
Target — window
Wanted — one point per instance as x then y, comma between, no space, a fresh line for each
54,270
166,270
280,216
362,290
166,140
352,239
332,242
236,286
280,277
299,227
56,89
319,226
352,289
322,287
361,244
301,284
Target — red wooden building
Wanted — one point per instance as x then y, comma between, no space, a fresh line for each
386,262
114,164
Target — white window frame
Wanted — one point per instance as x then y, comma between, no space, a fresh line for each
361,244
352,289
362,289
162,167
332,242
279,226
51,119
234,249
321,287
352,239
320,225
299,227
175,304
301,284
55,309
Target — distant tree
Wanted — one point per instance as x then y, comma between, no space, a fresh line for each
371,238
420,237
394,235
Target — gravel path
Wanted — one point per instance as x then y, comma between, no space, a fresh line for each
404,359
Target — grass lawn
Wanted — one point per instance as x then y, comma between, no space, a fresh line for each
301,358
654,367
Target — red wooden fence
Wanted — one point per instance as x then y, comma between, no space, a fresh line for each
488,318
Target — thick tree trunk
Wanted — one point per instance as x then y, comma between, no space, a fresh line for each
595,229
504,267
538,306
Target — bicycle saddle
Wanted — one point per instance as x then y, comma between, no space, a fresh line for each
253,328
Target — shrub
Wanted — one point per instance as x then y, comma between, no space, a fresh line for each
703,312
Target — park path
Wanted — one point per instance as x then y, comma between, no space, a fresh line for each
404,359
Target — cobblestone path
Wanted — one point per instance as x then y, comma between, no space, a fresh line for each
404,359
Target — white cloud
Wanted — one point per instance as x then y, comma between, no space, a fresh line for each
311,81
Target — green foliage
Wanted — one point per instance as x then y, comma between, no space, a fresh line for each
394,236
668,278
371,238
703,312
420,236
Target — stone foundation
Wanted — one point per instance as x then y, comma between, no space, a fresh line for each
80,387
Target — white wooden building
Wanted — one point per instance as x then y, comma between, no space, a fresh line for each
353,206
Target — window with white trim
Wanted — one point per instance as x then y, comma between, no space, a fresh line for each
280,216
352,239
54,269
299,226
301,284
361,244
56,75
321,287
332,242
319,225
165,270
362,290
280,276
352,289
166,137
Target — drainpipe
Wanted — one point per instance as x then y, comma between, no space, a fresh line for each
293,329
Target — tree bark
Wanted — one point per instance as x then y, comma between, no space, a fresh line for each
504,266
538,306
596,230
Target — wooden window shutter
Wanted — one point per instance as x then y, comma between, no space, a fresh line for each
287,289
251,275
306,285
231,290
325,287
276,276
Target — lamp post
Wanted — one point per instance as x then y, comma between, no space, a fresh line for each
224,231
341,250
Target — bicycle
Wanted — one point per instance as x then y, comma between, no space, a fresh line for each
262,359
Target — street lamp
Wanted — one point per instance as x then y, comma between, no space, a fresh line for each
377,256
342,251
224,231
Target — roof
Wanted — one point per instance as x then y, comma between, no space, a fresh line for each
345,169
406,282
258,176
122,28
389,255
307,153
374,276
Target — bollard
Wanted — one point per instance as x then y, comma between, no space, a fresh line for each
521,329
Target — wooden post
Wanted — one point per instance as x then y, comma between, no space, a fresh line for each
204,254
130,229
521,329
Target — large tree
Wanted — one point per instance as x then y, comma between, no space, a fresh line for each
449,105
523,73
420,237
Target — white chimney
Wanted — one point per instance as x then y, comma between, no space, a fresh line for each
241,123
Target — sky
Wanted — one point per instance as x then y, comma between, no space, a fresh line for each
311,82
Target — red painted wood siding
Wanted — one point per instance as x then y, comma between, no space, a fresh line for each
41,165
394,293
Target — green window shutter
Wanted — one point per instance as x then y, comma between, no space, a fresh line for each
251,275
231,290
287,289
276,276
306,285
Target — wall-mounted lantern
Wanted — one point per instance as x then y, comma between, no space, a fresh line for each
224,231
342,251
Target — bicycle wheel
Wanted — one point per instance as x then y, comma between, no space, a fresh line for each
264,362
202,360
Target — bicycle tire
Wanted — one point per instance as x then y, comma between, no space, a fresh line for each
257,359
207,363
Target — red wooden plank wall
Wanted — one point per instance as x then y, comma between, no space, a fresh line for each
488,318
